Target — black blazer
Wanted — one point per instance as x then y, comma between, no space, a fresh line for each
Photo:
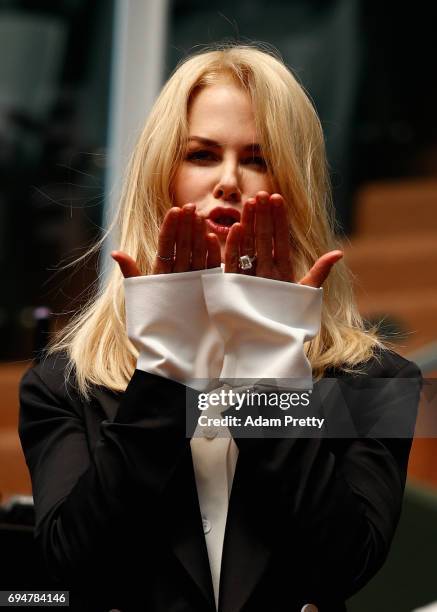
117,513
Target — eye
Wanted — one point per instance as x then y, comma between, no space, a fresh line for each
201,155
256,160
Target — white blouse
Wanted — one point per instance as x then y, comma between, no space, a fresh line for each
206,325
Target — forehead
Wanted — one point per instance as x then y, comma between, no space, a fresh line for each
222,110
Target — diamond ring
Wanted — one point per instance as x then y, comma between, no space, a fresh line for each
246,262
164,258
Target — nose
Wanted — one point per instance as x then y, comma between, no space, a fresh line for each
227,187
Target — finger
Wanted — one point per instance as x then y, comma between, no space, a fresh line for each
263,229
183,239
320,270
281,239
127,265
214,254
166,242
232,248
247,229
198,255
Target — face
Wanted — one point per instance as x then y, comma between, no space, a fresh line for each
223,166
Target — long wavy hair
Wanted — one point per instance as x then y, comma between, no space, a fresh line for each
291,139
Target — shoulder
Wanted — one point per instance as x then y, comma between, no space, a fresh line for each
387,364
384,363
52,382
52,377
380,399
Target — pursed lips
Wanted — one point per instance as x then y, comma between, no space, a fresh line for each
221,219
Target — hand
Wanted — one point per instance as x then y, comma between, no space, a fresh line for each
263,222
184,229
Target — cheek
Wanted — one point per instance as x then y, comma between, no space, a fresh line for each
177,187
189,185
261,182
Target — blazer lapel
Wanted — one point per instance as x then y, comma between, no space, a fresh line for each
186,536
248,542
183,518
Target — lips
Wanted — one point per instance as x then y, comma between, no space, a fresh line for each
221,219
224,215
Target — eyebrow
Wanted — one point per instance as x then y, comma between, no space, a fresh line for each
212,143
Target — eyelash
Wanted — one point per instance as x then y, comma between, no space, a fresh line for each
209,155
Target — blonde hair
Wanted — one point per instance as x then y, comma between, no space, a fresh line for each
291,139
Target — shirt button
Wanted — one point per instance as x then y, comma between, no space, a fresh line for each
206,525
209,432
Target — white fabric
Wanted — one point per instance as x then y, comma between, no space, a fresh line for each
263,324
169,325
193,327
214,461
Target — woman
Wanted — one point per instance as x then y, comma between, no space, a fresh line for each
226,238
